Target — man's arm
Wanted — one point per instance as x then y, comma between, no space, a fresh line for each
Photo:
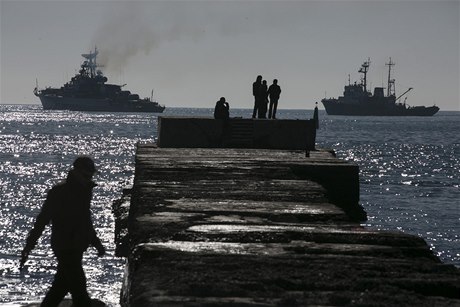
100,248
95,241
42,220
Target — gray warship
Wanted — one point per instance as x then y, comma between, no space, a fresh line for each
358,101
88,91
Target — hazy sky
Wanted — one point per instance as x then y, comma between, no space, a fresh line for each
193,52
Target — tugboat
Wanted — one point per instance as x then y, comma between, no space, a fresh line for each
358,101
88,91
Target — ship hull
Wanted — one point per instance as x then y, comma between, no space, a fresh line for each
334,107
52,102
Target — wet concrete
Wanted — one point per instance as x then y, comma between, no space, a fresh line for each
264,228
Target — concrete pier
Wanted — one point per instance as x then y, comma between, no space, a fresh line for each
258,227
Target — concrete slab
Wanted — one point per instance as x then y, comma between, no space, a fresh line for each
249,227
274,277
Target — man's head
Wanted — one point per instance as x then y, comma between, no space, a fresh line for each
85,166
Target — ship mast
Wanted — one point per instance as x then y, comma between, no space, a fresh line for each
91,57
391,82
364,69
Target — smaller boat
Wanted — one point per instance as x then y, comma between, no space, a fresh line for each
358,101
88,91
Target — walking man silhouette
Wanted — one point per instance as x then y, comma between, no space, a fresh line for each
67,208
274,92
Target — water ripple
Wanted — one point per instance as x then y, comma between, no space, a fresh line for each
37,148
409,173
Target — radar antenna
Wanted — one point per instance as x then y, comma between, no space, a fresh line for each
91,57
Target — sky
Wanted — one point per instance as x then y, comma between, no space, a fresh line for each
191,53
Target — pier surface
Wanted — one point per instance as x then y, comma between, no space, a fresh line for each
263,228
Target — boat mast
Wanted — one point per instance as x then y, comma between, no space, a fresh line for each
364,69
391,82
91,57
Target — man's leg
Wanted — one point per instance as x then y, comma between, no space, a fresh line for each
58,289
74,277
77,281
270,109
255,109
275,106
262,110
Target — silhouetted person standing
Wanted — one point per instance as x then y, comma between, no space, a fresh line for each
263,100
67,208
221,111
315,115
256,91
274,92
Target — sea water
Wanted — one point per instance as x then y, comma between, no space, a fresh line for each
409,179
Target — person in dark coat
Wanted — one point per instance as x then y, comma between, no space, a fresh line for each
315,115
263,100
67,208
257,93
274,92
221,111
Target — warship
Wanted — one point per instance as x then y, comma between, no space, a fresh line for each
358,101
88,91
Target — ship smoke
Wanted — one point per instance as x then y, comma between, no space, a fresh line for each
128,30
133,28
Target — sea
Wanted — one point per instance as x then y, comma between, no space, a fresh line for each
409,180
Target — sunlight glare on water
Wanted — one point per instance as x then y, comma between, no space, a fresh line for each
38,148
409,181
409,173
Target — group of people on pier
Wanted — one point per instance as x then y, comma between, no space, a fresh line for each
262,94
